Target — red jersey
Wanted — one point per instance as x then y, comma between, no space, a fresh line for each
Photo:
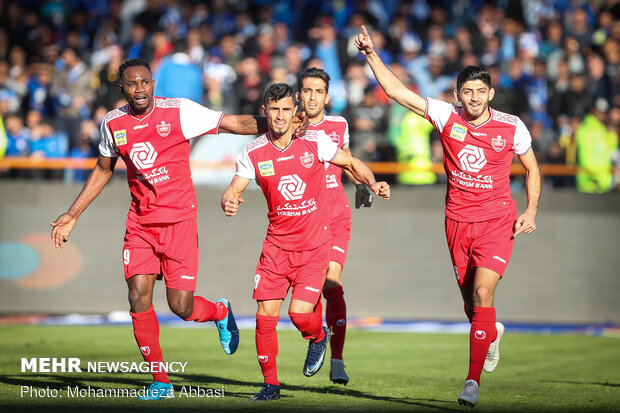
155,147
477,160
336,128
293,182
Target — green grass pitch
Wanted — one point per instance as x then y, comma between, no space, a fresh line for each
389,372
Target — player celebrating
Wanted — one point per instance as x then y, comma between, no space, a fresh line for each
313,95
295,252
481,217
152,135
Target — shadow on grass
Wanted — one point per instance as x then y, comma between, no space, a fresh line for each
53,381
593,383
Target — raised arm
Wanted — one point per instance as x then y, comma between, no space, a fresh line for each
257,125
526,222
232,196
361,173
99,177
393,87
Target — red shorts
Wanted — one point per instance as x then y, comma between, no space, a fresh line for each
485,244
169,250
340,237
279,269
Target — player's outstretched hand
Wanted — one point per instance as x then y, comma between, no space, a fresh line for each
230,206
300,123
382,189
61,228
363,42
526,223
363,197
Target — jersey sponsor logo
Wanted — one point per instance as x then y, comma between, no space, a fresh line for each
498,143
472,181
307,160
143,155
146,350
331,180
120,137
163,129
140,126
480,334
266,168
472,158
458,132
334,137
291,187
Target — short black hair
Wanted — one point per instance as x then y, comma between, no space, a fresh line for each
313,72
127,63
473,73
278,91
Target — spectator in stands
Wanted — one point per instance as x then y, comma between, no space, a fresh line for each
18,136
178,76
368,123
596,144
47,143
73,93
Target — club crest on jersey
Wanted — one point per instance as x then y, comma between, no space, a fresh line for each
266,168
498,143
163,129
307,160
335,138
458,132
120,137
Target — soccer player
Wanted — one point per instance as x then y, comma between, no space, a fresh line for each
481,217
313,88
296,250
151,135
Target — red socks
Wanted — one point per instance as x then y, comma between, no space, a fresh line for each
482,333
267,347
310,325
205,310
146,331
336,318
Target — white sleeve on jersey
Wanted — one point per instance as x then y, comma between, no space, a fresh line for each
245,167
438,112
523,139
198,120
345,137
326,147
107,147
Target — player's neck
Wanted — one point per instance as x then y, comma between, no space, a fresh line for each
480,119
281,142
317,119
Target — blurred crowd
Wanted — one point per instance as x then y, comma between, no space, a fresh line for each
554,63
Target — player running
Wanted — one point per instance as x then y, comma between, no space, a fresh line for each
313,88
296,250
151,135
481,217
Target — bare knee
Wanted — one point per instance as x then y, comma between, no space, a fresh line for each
140,299
483,296
182,306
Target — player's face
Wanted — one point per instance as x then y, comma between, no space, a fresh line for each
137,85
474,96
313,97
280,115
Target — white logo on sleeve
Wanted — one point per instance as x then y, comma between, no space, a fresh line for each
472,158
291,187
143,155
